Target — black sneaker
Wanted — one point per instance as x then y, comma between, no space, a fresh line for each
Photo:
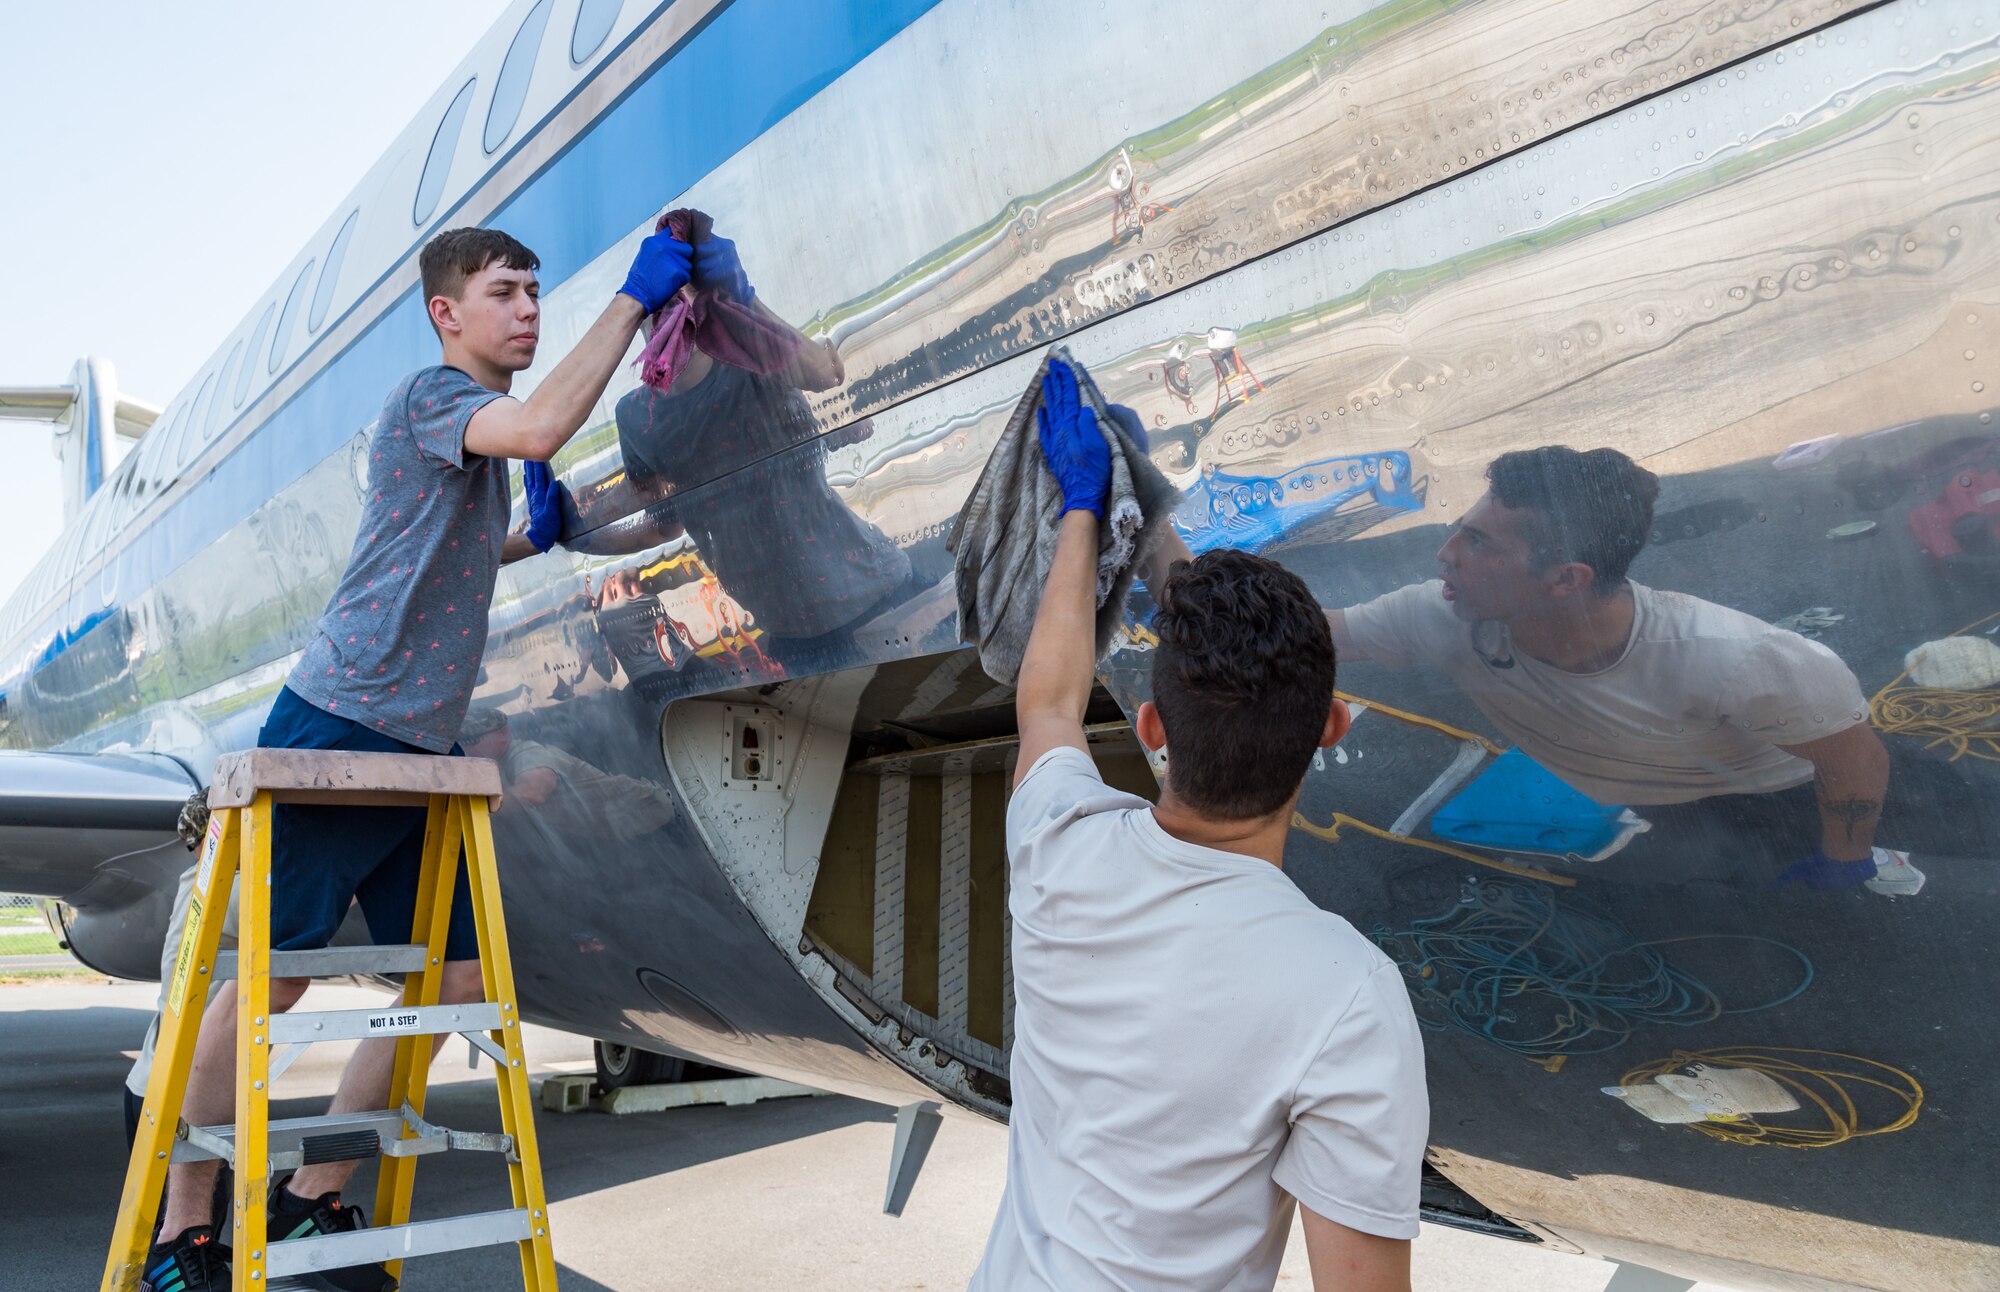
326,1214
194,1262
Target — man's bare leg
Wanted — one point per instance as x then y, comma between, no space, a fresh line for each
211,1101
364,1086
211,1093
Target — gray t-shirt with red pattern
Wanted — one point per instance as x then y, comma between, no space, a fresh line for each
398,648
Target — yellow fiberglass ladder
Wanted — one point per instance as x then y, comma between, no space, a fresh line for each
458,793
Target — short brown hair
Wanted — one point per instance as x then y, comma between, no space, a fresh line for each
1243,680
457,254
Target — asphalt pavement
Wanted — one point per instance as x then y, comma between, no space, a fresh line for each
786,1193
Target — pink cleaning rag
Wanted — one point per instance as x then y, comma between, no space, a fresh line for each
721,327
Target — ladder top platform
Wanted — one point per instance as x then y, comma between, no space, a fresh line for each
359,779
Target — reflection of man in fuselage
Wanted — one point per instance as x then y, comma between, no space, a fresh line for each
1631,695
746,466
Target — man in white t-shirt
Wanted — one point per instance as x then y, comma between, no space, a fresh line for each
1196,1045
1633,696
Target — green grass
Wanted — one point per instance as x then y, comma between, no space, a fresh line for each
40,943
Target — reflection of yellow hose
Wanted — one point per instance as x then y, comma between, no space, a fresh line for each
1331,832
1419,720
1967,721
1824,1087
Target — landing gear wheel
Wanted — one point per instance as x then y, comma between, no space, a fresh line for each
619,1066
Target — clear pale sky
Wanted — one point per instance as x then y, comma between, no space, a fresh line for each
162,163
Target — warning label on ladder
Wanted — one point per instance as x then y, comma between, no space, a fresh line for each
391,1021
184,958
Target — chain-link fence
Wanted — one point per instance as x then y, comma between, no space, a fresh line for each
25,937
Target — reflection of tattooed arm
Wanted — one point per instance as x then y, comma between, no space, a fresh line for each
1851,780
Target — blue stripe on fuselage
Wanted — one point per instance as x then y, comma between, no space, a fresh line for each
753,64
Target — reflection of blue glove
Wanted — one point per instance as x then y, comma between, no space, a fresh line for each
658,271
1073,446
1128,421
545,503
717,268
1823,872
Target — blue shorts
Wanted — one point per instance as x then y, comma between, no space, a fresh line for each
324,857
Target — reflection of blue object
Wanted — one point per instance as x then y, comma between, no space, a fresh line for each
717,267
1517,803
1822,872
63,640
1250,511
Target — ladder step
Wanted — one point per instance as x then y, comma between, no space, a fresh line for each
399,1020
332,962
340,1137
287,1136
397,1242
350,1146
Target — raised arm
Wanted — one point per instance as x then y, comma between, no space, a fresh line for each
815,365
1060,664
533,429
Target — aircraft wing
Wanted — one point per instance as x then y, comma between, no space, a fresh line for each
97,832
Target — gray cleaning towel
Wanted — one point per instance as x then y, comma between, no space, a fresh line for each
1005,539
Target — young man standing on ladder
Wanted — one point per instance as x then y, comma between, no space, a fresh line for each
391,669
1196,1044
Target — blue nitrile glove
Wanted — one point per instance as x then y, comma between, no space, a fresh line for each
717,268
545,504
1071,443
1824,873
659,270
1128,421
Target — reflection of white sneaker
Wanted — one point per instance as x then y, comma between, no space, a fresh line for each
1894,875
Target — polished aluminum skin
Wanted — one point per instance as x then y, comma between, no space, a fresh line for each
1339,262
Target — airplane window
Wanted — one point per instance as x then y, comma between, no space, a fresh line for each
120,478
437,166
215,409
151,461
194,432
511,90
244,373
294,301
594,19
329,276
96,513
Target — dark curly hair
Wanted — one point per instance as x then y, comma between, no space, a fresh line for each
1243,680
1595,507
